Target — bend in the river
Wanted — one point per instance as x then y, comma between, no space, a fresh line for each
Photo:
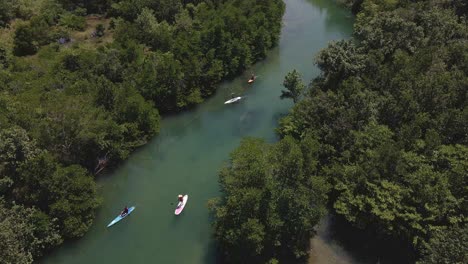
191,149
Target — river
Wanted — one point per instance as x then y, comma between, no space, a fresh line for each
192,147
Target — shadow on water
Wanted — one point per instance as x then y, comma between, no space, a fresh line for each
211,255
276,118
248,122
337,242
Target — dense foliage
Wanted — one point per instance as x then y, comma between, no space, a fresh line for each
82,84
294,86
24,233
447,246
272,199
390,113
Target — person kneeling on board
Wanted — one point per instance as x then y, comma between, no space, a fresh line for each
124,212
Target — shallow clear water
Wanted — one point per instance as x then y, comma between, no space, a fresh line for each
191,149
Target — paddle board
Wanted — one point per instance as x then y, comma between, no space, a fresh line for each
118,218
233,100
181,205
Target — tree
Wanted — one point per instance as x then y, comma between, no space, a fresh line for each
25,233
447,246
6,12
65,193
29,36
294,86
161,80
340,60
109,63
72,21
387,111
74,200
156,35
301,201
100,30
128,10
461,7
16,147
166,9
106,94
4,56
272,199
92,7
88,106
24,40
137,115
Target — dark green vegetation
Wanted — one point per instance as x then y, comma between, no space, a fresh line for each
447,246
294,86
78,96
387,119
273,197
390,112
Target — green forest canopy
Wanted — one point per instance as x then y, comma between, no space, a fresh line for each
388,120
390,112
272,199
83,83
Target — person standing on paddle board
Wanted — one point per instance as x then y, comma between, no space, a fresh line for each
252,78
180,198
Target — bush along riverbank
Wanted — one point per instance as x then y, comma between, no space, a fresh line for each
383,126
82,84
272,199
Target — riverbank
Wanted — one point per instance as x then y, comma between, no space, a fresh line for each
79,95
390,130
191,148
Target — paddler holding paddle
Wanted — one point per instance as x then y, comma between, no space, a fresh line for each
181,200
124,212
252,78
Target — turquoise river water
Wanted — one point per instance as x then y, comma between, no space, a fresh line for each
192,147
